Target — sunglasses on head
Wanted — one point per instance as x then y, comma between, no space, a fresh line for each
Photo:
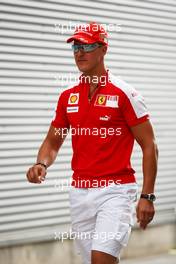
85,47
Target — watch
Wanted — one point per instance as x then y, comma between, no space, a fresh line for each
42,164
150,197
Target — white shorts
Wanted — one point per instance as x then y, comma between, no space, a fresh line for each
101,218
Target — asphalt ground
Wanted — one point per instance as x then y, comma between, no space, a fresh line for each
169,258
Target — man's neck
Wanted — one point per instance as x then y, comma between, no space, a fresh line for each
95,75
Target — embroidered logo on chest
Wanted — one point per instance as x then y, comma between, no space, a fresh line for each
73,99
107,100
72,109
105,118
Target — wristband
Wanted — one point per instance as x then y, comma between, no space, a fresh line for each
42,164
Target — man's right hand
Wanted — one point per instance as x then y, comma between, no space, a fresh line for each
36,174
49,150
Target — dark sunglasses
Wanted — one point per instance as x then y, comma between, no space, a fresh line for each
85,47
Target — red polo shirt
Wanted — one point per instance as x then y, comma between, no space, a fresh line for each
101,138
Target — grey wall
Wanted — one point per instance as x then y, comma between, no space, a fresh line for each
33,57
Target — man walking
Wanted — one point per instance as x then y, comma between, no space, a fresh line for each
105,115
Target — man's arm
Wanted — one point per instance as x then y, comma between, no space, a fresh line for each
46,155
144,135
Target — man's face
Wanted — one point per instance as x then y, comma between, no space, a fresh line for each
88,61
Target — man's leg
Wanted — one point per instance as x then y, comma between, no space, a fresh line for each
83,221
113,223
98,257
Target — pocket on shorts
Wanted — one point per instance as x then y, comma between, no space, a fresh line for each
124,228
130,191
123,233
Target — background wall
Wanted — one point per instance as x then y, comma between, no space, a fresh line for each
34,56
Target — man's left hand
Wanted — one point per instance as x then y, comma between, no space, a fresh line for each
145,212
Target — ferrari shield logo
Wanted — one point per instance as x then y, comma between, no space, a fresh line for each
107,100
101,100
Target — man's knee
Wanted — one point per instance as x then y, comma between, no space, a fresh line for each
98,257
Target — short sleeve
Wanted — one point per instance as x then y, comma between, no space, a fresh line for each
133,108
60,120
